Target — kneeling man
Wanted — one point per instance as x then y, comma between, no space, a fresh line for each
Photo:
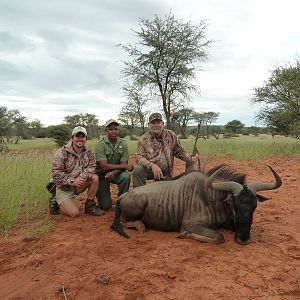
112,164
73,172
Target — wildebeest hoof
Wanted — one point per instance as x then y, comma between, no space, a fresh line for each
182,235
141,228
220,240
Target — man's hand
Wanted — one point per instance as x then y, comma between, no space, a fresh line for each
195,158
129,168
157,173
79,182
110,175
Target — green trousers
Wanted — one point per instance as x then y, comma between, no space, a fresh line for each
122,180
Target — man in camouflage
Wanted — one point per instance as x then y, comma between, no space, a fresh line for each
112,164
73,172
156,151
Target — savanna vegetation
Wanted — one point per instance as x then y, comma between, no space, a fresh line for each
25,170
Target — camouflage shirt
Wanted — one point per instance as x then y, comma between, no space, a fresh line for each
160,151
67,165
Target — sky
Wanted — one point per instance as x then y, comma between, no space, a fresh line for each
61,57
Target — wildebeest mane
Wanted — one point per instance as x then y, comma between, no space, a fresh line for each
225,174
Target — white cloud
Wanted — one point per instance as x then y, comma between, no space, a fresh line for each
60,57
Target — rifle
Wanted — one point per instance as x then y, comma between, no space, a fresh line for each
189,167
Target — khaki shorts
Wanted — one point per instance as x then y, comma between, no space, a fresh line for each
62,195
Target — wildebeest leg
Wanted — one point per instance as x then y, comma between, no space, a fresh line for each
201,233
129,209
138,225
133,208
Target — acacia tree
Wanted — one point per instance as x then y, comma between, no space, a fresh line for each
35,127
12,121
280,95
6,123
208,118
90,121
135,109
234,126
128,118
21,125
169,53
181,118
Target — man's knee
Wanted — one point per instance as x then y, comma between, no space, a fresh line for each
74,213
138,170
125,177
69,207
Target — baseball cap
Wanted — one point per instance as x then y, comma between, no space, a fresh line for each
155,116
111,121
78,129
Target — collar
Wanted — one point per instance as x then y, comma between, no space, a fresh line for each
106,140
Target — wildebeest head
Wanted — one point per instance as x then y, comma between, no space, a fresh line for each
245,199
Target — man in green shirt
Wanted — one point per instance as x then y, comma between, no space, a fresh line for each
111,154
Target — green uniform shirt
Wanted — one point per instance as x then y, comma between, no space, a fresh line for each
112,153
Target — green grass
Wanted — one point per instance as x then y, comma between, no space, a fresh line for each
23,194
45,143
35,231
246,147
25,170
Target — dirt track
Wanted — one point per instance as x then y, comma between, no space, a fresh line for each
156,265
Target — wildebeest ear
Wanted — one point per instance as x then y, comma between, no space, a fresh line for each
261,198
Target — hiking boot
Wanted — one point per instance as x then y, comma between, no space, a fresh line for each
90,208
99,212
53,206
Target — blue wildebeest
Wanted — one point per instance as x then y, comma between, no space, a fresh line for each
195,204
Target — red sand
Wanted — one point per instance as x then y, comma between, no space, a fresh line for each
156,265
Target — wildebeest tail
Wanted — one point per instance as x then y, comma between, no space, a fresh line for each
116,225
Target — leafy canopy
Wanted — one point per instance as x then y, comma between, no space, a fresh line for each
168,53
280,95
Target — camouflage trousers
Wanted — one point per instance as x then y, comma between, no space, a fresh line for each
140,174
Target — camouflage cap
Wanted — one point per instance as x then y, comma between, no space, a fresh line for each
155,116
111,121
78,129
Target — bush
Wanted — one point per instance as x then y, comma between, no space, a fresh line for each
42,133
229,135
134,137
60,133
123,132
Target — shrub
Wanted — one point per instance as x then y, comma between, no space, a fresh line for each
60,133
123,132
134,137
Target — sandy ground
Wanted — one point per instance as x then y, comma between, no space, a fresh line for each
78,256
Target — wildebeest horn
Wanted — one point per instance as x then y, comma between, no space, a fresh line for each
256,186
230,186
213,176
